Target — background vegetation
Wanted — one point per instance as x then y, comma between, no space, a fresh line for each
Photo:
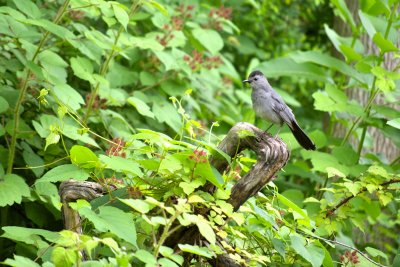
139,93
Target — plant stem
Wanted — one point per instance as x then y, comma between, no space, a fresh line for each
24,87
106,63
373,94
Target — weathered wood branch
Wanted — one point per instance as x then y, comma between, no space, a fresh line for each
272,155
71,191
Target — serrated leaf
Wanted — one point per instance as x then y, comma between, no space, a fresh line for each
64,173
12,189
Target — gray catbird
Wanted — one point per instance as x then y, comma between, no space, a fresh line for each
269,105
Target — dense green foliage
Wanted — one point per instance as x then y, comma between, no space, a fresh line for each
139,94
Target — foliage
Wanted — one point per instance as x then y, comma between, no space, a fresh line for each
138,94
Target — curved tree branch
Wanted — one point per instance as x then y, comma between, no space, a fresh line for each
272,155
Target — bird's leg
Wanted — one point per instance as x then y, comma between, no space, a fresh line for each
268,128
276,135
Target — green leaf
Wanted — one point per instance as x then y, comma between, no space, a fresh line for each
288,67
206,230
312,253
120,225
367,24
376,253
304,217
82,68
344,12
83,157
138,205
141,106
120,164
30,236
165,112
28,8
210,39
3,105
63,257
20,261
164,262
68,96
384,44
52,138
326,61
201,251
169,253
120,14
55,29
64,173
146,43
158,6
394,123
146,257
12,189
33,160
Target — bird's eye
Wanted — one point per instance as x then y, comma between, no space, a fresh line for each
255,79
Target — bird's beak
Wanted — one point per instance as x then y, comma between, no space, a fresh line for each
245,81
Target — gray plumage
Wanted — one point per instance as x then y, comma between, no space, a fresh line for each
270,106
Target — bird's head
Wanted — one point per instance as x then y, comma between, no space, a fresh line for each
257,80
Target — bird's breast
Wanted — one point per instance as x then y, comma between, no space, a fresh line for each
263,106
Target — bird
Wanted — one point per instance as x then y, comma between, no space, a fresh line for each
269,105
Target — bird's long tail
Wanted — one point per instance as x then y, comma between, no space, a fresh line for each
301,136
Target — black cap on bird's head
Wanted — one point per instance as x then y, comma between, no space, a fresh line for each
253,76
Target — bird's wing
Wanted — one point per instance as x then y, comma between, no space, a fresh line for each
282,110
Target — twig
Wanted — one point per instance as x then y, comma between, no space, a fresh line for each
347,199
343,245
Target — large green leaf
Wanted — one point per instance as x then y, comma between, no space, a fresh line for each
83,157
326,61
55,29
30,236
68,96
28,8
64,173
112,219
12,189
288,67
210,39
120,164
310,252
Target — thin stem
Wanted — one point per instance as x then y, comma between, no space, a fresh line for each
347,199
105,65
24,87
341,244
373,94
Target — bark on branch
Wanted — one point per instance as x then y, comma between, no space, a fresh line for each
272,155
